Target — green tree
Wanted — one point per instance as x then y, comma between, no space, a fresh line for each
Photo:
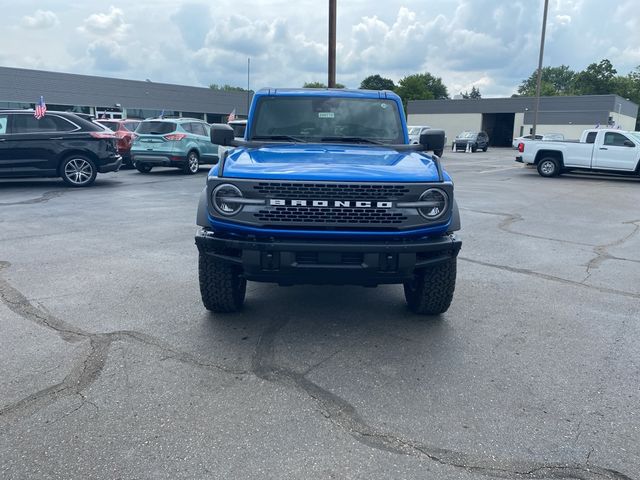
227,88
421,86
629,87
319,85
555,81
376,82
474,94
596,79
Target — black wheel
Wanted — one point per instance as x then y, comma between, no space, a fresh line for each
548,167
486,147
431,290
474,148
221,285
142,168
78,171
439,153
193,163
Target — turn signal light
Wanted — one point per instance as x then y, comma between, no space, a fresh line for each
521,147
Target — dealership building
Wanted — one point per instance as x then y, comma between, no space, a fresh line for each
506,118
116,98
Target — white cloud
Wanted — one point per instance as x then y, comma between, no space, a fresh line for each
109,24
40,20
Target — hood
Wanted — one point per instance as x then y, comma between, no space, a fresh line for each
330,163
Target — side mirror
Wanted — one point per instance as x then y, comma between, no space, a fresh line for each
221,134
432,140
629,143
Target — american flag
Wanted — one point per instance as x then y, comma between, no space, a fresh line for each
41,108
232,116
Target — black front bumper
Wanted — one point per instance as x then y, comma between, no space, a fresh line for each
328,262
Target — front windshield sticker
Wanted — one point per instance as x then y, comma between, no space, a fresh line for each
326,115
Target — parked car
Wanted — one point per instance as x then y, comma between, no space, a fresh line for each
545,137
239,127
414,136
182,143
602,149
124,133
476,140
60,144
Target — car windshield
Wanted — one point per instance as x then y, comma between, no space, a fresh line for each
467,135
634,136
321,118
155,128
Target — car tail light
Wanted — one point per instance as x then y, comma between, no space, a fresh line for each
521,147
174,137
102,134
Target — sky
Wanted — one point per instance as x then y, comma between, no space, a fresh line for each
490,44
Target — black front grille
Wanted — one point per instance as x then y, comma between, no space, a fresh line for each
343,258
331,191
330,215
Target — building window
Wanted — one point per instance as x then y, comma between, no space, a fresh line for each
193,115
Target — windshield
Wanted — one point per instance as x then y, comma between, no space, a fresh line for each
156,128
328,119
634,136
467,135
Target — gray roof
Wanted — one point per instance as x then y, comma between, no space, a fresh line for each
21,85
587,105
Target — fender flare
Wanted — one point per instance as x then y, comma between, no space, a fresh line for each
455,218
202,217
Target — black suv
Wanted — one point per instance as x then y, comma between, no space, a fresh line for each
475,140
60,144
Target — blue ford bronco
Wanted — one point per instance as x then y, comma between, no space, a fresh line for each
326,189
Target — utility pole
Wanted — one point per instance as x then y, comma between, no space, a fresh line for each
539,81
248,83
332,44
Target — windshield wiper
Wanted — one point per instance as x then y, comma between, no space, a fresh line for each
280,137
351,140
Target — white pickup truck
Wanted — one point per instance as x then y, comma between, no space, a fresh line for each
600,149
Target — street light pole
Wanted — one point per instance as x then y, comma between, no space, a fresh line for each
248,83
539,80
332,44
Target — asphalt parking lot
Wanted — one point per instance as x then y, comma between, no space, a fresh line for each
112,369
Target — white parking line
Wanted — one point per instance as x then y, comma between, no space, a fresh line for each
501,169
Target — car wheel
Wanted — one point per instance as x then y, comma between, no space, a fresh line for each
78,171
548,167
142,168
474,148
193,163
221,284
430,292
439,153
486,147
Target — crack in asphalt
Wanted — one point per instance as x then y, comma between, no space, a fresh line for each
44,198
601,251
552,278
337,410
87,368
345,416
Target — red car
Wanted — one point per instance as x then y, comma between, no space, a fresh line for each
124,133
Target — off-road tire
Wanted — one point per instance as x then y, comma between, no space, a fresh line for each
431,290
221,286
548,167
142,168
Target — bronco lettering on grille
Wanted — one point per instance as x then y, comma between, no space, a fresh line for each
275,202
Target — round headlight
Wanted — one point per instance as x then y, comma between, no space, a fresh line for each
437,202
222,199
